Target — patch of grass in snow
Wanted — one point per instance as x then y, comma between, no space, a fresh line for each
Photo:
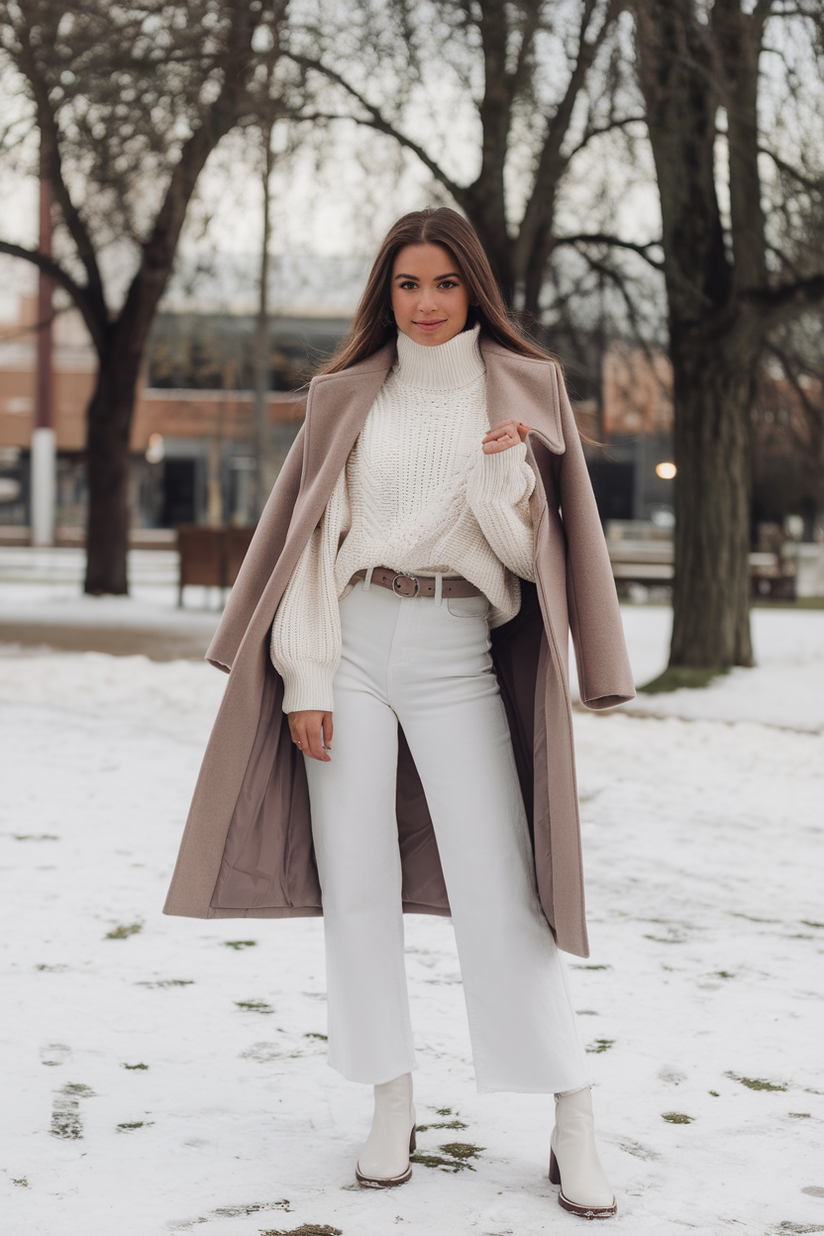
676,1118
443,1111
135,1066
787,1226
714,1094
305,1229
254,1006
240,944
723,974
123,932
313,1034
66,1122
801,1116
165,983
21,1181
635,1148
129,1126
675,677
756,1083
591,967
442,1124
35,837
231,1212
51,969
252,1208
600,1045
806,922
454,1157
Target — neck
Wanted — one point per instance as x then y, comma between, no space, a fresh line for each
442,366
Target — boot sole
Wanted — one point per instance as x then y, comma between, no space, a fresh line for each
574,1208
387,1182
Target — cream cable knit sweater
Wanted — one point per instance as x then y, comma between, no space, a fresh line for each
417,495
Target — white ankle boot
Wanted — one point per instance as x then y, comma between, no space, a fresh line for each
573,1160
384,1160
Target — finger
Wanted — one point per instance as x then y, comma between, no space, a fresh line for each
328,730
496,445
504,429
314,741
523,430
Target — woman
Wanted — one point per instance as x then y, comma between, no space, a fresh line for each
389,598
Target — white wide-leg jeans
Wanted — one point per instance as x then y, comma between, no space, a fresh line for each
429,667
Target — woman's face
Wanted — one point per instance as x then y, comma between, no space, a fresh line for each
429,296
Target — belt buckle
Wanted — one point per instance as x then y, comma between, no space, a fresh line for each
413,579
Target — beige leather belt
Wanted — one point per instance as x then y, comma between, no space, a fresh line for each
419,585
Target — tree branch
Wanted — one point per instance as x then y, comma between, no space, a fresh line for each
815,186
55,271
602,238
379,123
50,141
535,223
599,130
813,410
787,300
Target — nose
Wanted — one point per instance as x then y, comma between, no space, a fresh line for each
427,302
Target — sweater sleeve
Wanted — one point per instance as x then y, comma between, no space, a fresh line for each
306,635
498,492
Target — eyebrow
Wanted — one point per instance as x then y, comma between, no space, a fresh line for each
452,274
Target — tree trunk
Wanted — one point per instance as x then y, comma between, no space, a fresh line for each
713,390
107,462
714,347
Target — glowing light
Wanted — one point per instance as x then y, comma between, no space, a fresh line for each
155,451
666,471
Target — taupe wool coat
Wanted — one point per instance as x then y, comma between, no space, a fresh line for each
247,847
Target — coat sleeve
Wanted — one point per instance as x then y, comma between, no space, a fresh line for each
305,644
604,674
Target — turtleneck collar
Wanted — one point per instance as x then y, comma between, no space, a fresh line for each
440,366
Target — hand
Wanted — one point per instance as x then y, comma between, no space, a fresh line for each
501,437
312,733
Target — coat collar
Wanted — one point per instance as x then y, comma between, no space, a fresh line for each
523,386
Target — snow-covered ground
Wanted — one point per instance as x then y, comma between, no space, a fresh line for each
167,1075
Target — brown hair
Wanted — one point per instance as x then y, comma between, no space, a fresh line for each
374,325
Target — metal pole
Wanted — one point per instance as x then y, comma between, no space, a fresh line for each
262,353
43,439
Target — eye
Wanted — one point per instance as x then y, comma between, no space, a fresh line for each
448,283
407,285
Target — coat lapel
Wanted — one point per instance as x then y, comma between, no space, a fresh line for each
336,410
524,387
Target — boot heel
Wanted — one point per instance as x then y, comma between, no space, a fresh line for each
413,1141
554,1174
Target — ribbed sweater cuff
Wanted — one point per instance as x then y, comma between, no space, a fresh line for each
505,475
308,686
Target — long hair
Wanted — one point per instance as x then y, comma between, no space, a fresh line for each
374,325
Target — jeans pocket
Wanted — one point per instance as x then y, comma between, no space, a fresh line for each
468,607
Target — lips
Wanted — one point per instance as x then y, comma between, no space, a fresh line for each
429,325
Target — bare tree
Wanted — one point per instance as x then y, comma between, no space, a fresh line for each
508,75
732,275
128,103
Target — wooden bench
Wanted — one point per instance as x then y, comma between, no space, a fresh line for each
210,557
